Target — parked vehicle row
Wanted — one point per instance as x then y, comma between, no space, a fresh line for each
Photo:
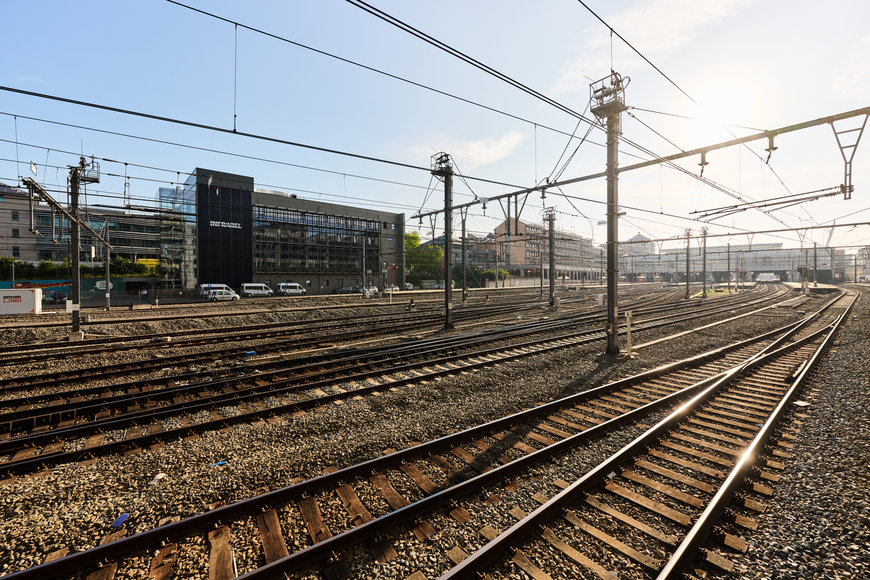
371,289
217,292
224,292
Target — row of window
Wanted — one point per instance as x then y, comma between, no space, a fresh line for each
276,216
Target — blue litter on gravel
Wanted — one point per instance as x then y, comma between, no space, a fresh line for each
251,353
224,462
121,519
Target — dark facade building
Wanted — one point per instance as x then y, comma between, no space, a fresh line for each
241,234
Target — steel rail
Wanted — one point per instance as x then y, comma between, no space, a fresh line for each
686,552
317,552
188,526
275,388
145,416
246,334
20,383
488,555
56,350
427,345
374,355
49,379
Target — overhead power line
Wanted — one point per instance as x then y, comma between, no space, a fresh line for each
491,71
639,53
212,128
369,68
230,132
464,57
679,88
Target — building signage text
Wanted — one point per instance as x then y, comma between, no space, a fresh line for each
219,224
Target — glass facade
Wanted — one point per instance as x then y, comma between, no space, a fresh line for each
293,241
132,236
178,235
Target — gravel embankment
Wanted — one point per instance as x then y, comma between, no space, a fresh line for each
74,505
817,524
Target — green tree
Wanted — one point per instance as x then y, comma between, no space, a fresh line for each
47,270
412,241
422,262
23,270
121,266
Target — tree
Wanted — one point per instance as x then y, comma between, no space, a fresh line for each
412,241
47,270
121,266
422,261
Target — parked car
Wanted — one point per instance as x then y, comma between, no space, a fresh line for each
290,289
255,289
216,295
206,289
56,296
409,286
346,290
369,291
392,288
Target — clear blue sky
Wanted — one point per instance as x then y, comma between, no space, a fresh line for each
760,64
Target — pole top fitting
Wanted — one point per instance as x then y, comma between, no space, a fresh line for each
607,95
441,164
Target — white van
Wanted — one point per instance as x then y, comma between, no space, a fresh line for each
290,289
255,289
205,290
216,295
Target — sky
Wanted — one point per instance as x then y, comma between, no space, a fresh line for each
757,65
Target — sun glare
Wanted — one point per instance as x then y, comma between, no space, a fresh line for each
719,106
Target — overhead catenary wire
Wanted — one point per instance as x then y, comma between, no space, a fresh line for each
676,238
371,68
636,51
489,70
670,80
464,57
656,157
210,150
207,127
224,130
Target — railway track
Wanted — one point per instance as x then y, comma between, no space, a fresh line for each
385,323
427,313
56,428
328,516
693,480
318,338
254,306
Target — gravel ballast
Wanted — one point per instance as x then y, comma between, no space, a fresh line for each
817,524
73,505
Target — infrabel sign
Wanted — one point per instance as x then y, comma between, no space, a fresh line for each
231,225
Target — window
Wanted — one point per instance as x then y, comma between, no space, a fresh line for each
15,233
15,215
16,252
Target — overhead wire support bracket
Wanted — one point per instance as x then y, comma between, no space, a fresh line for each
847,187
36,190
684,154
770,148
